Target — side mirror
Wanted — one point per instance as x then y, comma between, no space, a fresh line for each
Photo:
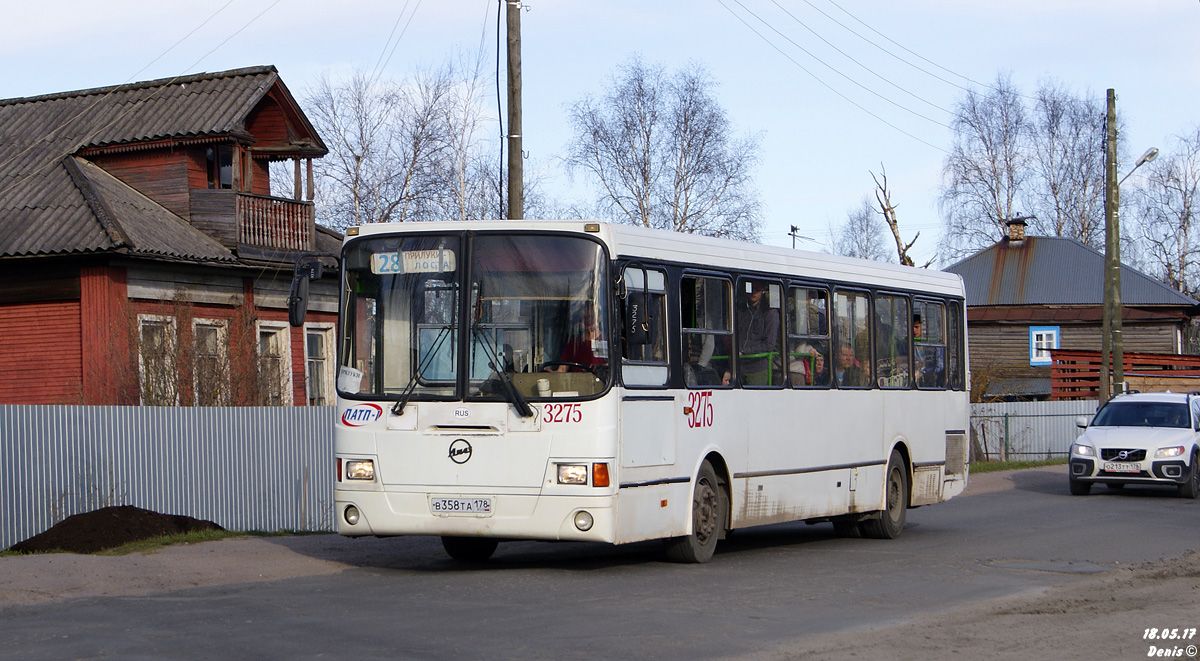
1081,422
308,267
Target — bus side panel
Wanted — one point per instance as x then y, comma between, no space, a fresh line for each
653,512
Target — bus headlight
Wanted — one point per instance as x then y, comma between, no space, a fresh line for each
360,469
572,473
351,514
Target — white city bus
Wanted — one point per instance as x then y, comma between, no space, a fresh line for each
560,380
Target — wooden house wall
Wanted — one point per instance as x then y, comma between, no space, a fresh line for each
214,212
40,343
161,175
268,124
1005,347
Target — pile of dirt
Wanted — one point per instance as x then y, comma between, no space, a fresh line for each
108,528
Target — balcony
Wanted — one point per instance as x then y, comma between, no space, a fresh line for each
274,223
254,225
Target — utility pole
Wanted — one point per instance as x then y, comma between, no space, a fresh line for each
1110,343
516,189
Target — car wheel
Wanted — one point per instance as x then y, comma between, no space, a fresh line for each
1191,488
1079,488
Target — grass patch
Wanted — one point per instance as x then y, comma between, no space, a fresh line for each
154,543
993,466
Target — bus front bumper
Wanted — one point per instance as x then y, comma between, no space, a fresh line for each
558,517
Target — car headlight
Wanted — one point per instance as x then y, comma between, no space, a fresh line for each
1163,453
572,473
360,469
1083,450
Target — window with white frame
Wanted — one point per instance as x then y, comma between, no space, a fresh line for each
274,364
1041,340
318,364
158,376
210,362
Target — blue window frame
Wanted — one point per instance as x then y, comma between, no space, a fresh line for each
1041,340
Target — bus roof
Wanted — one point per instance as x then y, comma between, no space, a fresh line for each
677,247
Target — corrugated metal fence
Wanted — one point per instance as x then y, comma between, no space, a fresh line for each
1022,431
270,469
260,469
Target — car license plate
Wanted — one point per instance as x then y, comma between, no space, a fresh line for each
461,506
1118,467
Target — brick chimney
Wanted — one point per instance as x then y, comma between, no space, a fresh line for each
1016,230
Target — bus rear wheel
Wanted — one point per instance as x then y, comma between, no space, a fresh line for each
469,549
708,521
891,520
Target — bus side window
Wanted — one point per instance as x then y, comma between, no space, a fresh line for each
808,337
954,346
929,344
852,328
893,326
707,331
644,352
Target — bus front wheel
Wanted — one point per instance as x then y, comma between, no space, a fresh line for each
891,520
469,549
708,521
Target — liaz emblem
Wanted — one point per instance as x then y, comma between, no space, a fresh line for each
361,414
460,451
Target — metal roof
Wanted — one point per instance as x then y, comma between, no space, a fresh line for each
53,202
1049,270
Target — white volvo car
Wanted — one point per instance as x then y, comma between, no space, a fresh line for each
1140,438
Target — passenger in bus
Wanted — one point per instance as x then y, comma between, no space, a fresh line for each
758,338
820,375
701,369
849,372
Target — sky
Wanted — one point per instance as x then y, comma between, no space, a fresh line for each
835,89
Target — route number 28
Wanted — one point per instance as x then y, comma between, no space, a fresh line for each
699,408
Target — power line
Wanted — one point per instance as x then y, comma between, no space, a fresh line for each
860,64
834,69
825,84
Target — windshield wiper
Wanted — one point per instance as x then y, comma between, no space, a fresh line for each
514,396
410,389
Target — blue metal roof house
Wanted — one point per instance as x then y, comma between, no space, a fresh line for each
1027,295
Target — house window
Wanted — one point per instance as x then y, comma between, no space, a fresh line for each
1041,340
210,364
318,364
274,365
220,166
158,378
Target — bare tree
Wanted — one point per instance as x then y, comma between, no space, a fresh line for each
1066,186
403,151
659,149
861,235
1167,206
883,197
986,168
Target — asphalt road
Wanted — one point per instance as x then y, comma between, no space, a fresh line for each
766,587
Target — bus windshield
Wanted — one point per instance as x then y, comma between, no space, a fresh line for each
535,312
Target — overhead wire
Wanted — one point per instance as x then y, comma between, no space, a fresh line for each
825,84
852,59
835,69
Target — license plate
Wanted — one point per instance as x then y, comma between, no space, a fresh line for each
461,506
1118,467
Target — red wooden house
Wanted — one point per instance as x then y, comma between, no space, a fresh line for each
143,258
